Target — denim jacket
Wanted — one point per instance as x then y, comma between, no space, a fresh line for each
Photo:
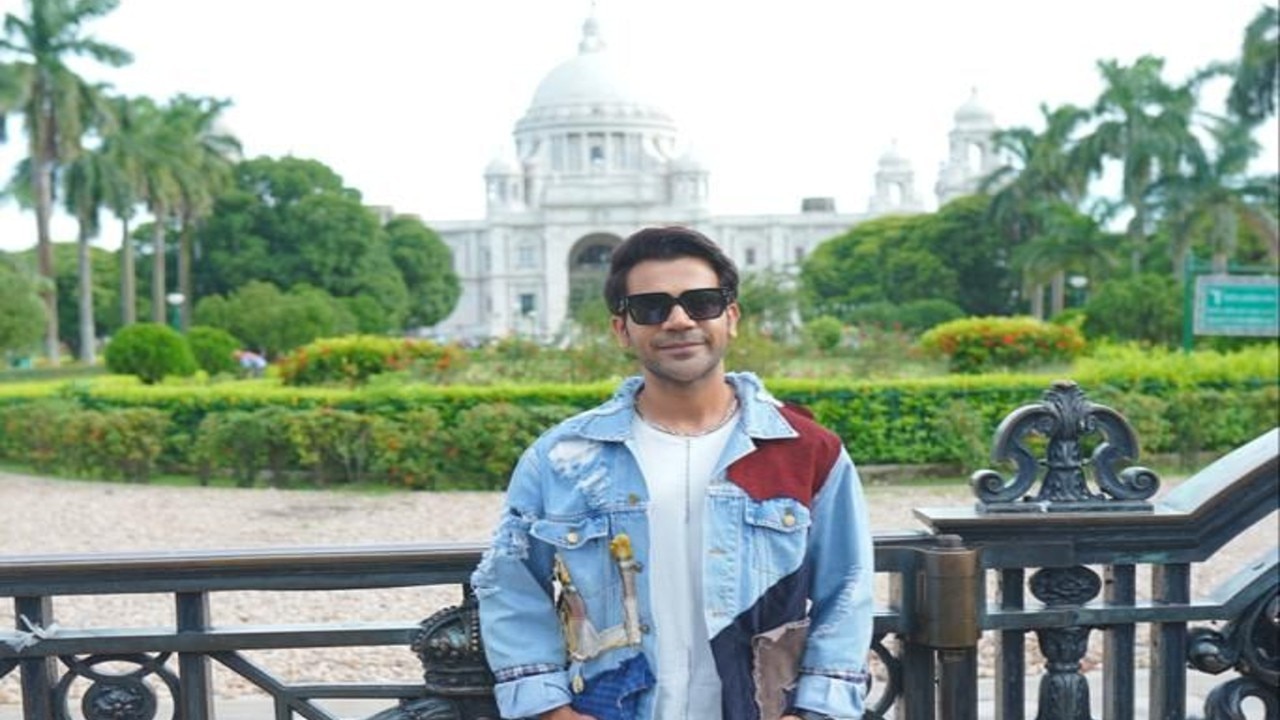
788,564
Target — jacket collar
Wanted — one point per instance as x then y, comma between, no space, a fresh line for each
761,420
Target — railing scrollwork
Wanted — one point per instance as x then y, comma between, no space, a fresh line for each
1250,645
1065,417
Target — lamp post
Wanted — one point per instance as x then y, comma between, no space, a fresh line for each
1078,283
175,309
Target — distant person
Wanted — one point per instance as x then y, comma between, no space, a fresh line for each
692,549
251,363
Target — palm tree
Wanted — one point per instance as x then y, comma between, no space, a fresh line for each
1218,192
205,169
1145,124
84,180
1042,176
123,151
52,95
158,168
1256,79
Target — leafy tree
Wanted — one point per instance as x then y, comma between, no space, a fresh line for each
426,265
21,309
1256,80
291,221
104,274
769,302
955,254
52,95
275,322
846,271
1146,307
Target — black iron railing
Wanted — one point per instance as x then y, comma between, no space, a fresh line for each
926,633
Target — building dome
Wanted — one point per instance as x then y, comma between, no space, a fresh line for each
892,159
502,163
589,87
973,112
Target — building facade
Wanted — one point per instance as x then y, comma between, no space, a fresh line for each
592,162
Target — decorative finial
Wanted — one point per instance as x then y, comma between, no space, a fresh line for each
591,40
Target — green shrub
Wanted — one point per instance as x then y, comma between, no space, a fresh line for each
213,348
973,345
920,315
824,333
1140,307
487,440
355,358
411,450
149,351
333,445
243,443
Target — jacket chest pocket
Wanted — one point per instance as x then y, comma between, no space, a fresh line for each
583,546
777,531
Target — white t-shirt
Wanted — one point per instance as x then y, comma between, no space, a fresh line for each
677,470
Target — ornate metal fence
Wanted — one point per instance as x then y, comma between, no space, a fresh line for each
926,636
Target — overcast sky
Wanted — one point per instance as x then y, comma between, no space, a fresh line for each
408,100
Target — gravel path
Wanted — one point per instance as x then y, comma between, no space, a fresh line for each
63,516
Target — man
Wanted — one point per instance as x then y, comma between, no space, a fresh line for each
692,549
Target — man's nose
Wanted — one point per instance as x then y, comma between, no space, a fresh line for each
679,318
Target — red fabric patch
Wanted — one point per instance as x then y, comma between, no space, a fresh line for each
792,468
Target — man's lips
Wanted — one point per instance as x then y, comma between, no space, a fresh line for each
681,345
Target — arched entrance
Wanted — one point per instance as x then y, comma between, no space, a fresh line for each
588,267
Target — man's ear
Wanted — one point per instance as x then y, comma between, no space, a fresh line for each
619,325
733,313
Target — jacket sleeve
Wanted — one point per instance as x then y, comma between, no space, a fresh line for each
518,623
833,670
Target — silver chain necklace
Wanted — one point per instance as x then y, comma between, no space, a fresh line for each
728,414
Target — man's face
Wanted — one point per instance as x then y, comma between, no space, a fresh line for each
679,350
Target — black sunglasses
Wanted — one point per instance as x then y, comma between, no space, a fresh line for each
655,308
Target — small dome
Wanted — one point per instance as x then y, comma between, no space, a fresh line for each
893,159
689,162
973,112
503,163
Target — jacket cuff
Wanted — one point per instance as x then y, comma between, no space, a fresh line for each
843,697
531,695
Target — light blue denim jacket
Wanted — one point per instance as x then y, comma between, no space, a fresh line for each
786,543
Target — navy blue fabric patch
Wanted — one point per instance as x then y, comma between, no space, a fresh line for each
615,695
731,647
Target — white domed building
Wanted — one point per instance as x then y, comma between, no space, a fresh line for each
592,162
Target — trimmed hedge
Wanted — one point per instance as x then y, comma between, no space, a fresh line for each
430,437
982,344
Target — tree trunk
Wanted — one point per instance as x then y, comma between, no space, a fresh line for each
1037,300
157,268
88,338
42,180
184,272
128,285
1058,293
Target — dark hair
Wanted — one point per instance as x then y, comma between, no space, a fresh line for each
664,243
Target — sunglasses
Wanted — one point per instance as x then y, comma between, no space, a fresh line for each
655,308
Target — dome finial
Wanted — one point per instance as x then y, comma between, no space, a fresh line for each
591,40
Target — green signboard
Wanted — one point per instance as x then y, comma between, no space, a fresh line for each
1237,305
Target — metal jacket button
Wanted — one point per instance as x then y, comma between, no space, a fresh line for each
571,538
788,519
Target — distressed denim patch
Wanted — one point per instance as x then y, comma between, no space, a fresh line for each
615,694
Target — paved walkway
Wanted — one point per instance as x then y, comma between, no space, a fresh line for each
1198,687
